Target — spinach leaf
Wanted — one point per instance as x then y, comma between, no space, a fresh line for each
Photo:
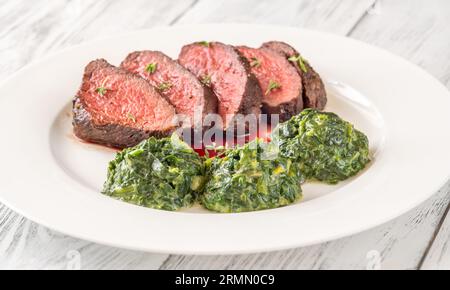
244,180
326,147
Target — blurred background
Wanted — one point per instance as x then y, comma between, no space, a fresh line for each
417,30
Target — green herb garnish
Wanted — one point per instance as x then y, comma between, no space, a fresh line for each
300,61
151,68
165,86
273,85
255,62
77,104
206,80
101,91
131,117
327,148
204,43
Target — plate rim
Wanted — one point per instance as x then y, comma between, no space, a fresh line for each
151,248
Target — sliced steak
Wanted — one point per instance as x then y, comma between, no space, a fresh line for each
314,93
228,74
119,109
279,80
181,88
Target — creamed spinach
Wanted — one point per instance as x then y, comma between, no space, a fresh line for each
326,147
161,174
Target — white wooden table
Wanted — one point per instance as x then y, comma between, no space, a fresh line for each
414,29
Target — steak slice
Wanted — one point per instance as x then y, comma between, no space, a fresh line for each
119,109
279,80
314,93
228,74
180,87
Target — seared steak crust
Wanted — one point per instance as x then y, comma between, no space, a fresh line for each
278,79
252,101
102,116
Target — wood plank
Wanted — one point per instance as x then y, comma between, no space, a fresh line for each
401,243
423,39
59,26
429,47
338,16
29,30
27,245
438,257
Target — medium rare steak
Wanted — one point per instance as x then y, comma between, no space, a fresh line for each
314,94
119,109
228,74
181,88
279,80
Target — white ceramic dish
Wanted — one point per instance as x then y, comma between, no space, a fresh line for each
53,179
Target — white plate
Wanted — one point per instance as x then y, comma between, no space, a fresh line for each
53,179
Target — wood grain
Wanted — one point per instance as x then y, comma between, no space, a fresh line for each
27,245
338,16
31,29
438,257
401,244
423,39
